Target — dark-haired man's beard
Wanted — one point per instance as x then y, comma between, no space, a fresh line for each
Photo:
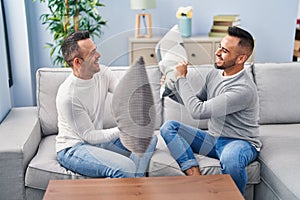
226,65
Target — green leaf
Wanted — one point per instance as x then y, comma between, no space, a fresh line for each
89,19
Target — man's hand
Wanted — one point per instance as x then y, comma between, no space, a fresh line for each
181,70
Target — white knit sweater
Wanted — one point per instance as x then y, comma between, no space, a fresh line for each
80,106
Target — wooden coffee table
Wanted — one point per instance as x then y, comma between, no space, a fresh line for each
206,187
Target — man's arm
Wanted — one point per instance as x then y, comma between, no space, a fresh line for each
79,121
235,99
231,101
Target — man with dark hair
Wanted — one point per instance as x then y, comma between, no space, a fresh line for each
82,145
229,100
70,48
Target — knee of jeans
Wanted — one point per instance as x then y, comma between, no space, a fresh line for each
229,158
164,129
233,160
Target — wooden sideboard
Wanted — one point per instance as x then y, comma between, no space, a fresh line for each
200,49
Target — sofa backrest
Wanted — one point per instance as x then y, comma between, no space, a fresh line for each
49,80
279,93
277,85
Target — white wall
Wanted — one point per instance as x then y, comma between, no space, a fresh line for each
271,22
298,16
5,102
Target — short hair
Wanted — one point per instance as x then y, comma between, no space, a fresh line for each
246,39
70,48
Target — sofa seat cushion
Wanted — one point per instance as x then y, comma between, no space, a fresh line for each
163,164
44,166
280,159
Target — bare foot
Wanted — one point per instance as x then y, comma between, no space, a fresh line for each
193,171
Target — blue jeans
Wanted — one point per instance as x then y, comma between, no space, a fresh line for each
105,160
234,155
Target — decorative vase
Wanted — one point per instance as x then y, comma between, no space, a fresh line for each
185,26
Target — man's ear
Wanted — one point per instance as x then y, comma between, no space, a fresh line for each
76,61
242,58
76,64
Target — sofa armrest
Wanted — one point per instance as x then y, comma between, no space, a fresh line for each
20,135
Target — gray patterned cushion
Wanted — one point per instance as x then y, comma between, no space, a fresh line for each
134,109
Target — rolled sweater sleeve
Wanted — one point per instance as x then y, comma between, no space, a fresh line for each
221,105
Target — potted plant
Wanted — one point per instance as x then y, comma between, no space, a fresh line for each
66,16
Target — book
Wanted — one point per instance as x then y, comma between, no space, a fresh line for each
221,24
227,18
215,34
217,27
218,30
227,23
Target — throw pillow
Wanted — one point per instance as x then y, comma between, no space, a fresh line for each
134,109
169,52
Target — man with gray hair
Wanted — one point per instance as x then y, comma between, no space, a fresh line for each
82,145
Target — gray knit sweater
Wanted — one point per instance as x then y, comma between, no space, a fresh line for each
229,102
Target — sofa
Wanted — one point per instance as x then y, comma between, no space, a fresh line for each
27,134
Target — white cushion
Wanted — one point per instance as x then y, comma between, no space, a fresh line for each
169,52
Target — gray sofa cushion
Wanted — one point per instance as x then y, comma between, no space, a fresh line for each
280,159
279,93
133,108
49,79
154,76
44,166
